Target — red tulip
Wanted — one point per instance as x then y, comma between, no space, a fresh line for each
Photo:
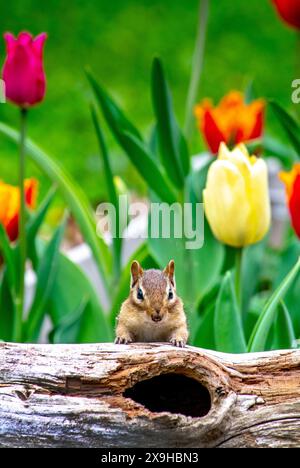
289,11
232,121
292,183
23,71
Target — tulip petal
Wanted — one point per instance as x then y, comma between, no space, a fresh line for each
226,203
212,133
289,10
239,157
24,38
10,41
31,187
38,44
10,205
232,121
259,125
294,206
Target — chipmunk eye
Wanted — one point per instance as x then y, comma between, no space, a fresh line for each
140,294
170,295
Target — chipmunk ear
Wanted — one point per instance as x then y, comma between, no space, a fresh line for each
169,271
136,272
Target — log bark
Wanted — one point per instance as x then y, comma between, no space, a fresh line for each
92,396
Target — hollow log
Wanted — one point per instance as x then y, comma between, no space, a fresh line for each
147,395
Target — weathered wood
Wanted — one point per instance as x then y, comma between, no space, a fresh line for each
72,396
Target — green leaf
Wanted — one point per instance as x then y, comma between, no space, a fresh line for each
34,225
249,93
284,335
70,286
153,143
115,118
289,124
274,148
205,336
173,148
75,198
7,308
256,305
198,179
8,253
262,328
131,141
252,259
229,335
111,191
46,274
292,297
148,169
68,329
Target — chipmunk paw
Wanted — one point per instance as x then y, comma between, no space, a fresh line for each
177,343
122,340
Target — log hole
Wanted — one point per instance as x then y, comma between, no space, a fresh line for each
174,393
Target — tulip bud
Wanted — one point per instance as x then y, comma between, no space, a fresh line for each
236,197
23,71
292,183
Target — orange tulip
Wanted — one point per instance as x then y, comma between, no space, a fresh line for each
292,183
10,205
232,121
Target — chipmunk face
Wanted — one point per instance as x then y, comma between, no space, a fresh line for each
153,292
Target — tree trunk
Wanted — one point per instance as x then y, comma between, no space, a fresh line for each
147,395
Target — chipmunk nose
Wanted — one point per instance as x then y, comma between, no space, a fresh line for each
156,317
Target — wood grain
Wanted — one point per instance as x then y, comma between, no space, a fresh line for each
72,396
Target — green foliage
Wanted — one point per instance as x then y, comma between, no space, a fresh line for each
228,328
283,333
111,192
221,323
204,276
111,36
173,149
62,290
130,140
46,274
74,196
289,124
262,328
74,307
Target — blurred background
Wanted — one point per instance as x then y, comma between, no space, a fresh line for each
118,39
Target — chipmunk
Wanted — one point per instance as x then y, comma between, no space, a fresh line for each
153,311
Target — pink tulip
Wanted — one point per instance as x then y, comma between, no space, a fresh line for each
23,71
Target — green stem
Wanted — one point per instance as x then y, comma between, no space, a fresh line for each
238,276
197,66
17,332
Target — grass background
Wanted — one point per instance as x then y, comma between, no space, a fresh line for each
118,39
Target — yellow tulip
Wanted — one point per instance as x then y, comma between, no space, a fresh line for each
236,197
